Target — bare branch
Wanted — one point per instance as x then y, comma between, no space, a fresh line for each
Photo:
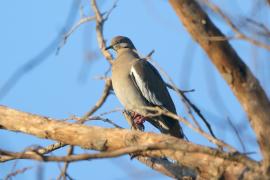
72,29
237,32
53,147
39,150
149,55
99,30
64,173
265,31
71,158
110,140
104,120
187,104
157,111
237,134
238,76
15,173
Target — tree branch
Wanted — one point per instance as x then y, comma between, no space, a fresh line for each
99,30
238,76
238,33
208,162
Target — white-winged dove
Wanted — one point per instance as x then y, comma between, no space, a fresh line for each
137,83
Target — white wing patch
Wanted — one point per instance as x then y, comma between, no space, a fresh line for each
143,87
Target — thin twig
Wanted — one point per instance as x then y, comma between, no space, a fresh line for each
99,103
40,150
80,157
99,30
237,134
55,146
157,111
101,42
15,173
149,55
104,120
72,29
238,33
265,31
188,104
111,111
64,173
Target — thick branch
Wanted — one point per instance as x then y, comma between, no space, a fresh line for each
209,162
239,77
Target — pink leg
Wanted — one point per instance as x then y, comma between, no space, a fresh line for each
138,119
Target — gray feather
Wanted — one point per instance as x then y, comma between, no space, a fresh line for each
151,85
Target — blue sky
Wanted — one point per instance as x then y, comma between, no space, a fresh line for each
66,84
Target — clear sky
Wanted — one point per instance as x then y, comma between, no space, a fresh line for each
66,84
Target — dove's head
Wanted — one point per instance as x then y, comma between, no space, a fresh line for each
120,42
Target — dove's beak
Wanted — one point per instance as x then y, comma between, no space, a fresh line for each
109,47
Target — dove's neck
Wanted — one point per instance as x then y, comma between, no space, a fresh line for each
127,53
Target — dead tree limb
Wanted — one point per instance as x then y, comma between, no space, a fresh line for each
207,162
238,76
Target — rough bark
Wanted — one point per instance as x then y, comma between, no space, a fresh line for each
237,75
209,163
